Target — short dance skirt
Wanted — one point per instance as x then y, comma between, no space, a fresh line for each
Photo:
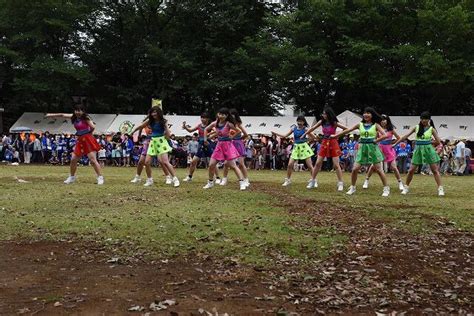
158,146
85,145
329,148
301,151
388,152
240,146
424,154
225,151
369,153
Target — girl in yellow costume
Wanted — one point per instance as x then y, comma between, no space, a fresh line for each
158,146
301,149
424,152
368,152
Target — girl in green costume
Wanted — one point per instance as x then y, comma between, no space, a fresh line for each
369,152
424,152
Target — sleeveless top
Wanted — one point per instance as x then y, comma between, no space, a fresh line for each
297,133
81,126
368,133
388,140
329,129
200,130
223,132
157,130
425,139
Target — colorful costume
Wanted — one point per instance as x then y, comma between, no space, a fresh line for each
424,152
158,143
368,152
386,147
301,149
204,151
86,143
329,146
239,144
225,149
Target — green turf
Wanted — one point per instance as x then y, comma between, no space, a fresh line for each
163,221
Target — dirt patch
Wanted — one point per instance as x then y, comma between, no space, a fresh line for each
382,268
45,278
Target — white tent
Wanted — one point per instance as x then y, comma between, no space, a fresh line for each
124,123
39,124
448,127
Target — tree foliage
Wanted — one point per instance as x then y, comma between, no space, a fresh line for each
400,56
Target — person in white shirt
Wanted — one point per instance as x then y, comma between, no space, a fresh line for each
460,158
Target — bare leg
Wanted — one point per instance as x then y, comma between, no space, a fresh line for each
410,174
163,158
379,169
355,173
73,166
317,167
95,164
435,169
147,162
394,168
371,170
141,164
243,168
337,167
212,169
309,164
193,165
289,170
233,166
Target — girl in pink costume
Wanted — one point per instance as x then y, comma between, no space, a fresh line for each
225,149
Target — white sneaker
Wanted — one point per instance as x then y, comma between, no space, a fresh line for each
287,182
386,191
223,181
440,191
401,186
136,179
247,182
100,180
243,185
218,180
311,184
352,190
169,180
366,184
188,179
176,182
405,190
70,180
149,182
209,185
340,186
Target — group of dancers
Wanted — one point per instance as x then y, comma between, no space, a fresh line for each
376,145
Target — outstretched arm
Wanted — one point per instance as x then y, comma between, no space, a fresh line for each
140,127
283,136
187,128
310,130
346,131
54,115
411,131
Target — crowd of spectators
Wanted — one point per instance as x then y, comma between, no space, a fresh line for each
262,152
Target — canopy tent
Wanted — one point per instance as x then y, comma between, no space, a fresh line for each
252,124
449,127
39,124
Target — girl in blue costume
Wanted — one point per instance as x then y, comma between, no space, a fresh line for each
158,146
301,149
369,152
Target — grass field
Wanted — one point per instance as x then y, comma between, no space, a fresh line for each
163,221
